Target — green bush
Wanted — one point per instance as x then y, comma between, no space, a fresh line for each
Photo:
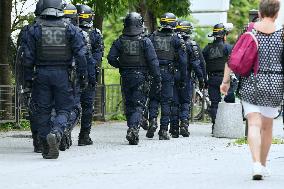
117,117
7,126
242,141
112,28
24,125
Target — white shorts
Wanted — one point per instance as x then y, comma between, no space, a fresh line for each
269,112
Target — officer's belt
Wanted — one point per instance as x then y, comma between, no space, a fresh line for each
53,66
221,74
135,69
165,66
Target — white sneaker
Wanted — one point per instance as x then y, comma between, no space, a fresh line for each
266,172
257,172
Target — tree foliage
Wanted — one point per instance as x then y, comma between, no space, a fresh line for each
105,7
239,15
20,17
159,7
151,10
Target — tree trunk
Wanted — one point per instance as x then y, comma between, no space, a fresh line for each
5,71
149,18
98,22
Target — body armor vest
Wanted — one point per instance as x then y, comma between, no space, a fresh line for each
216,58
164,46
132,53
53,47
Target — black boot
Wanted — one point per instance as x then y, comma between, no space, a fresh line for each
133,135
66,141
212,128
184,128
153,125
163,134
174,131
144,124
84,138
45,148
69,138
53,140
37,143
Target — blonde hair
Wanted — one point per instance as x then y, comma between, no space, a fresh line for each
269,8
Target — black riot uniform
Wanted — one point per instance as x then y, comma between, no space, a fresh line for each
135,57
95,46
180,109
216,54
171,54
25,94
51,45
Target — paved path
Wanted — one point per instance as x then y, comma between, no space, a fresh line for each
197,162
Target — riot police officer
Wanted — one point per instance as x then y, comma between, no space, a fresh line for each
171,54
95,46
70,12
216,55
22,39
135,57
51,45
182,96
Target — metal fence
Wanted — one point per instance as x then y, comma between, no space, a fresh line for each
7,104
108,101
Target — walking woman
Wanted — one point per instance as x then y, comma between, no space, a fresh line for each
262,94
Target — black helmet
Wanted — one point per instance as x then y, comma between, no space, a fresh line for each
39,8
133,24
184,26
85,14
168,20
70,11
219,31
52,8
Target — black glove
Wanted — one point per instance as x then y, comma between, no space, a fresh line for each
157,88
27,87
83,82
92,85
181,84
201,84
205,84
92,82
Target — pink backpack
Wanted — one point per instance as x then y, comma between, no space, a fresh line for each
244,57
